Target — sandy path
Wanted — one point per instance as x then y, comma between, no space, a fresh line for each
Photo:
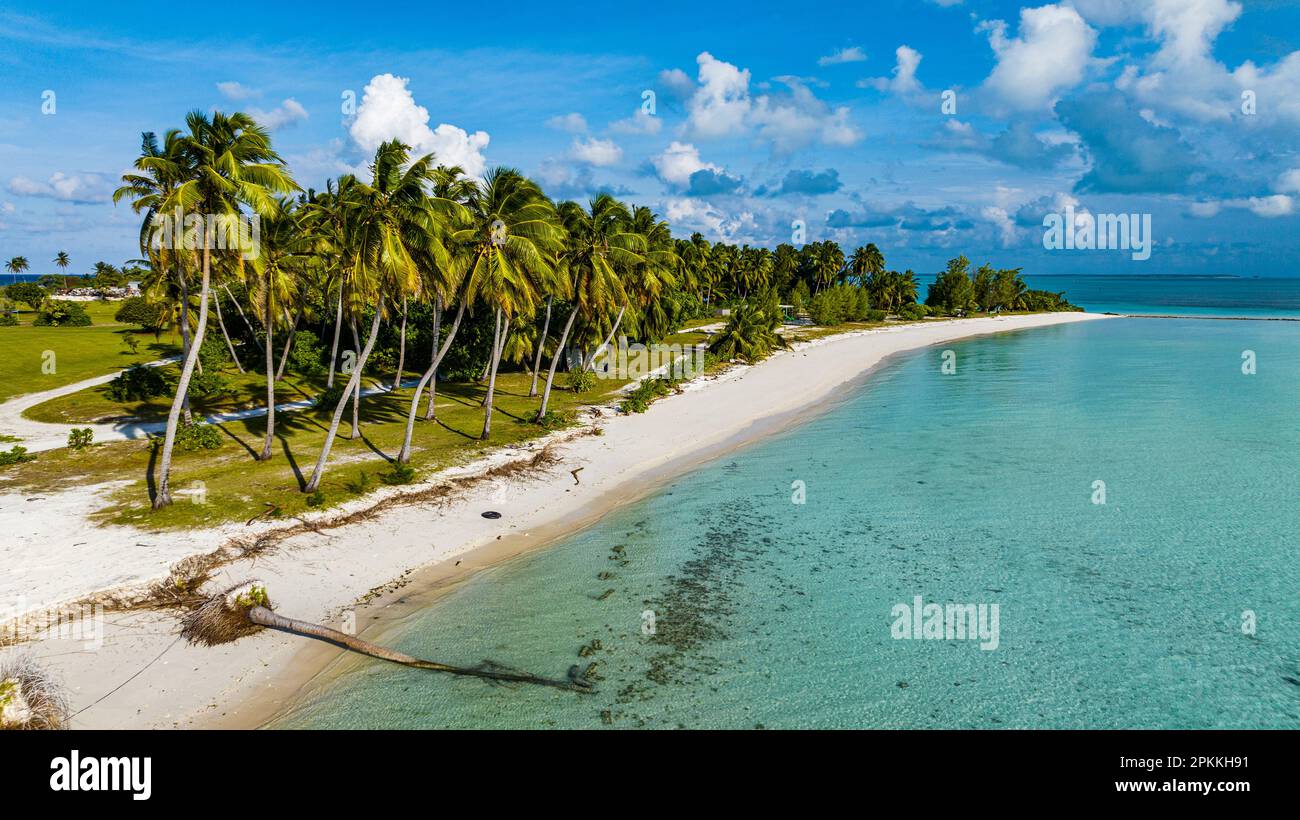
318,576
40,435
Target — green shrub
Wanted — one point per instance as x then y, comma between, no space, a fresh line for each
8,319
554,420
874,315
307,354
138,311
913,312
16,455
213,354
209,384
580,381
138,383
60,313
643,395
79,438
131,343
316,499
192,437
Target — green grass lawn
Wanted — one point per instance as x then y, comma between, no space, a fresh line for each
78,352
237,487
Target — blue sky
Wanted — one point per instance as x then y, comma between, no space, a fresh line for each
764,114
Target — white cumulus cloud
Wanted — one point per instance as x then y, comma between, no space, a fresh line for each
1051,54
389,111
598,152
676,164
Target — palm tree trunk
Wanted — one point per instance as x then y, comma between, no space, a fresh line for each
288,344
592,360
334,351
405,455
216,301
354,382
437,332
401,354
555,361
163,496
270,375
356,390
498,347
185,340
496,331
273,620
541,344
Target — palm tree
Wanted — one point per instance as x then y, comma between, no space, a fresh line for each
650,282
17,265
385,224
601,246
443,270
275,271
229,163
62,260
827,262
866,261
161,169
511,242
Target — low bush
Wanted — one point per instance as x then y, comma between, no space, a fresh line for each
16,455
580,381
209,384
79,438
192,437
640,398
307,356
913,312
61,313
138,383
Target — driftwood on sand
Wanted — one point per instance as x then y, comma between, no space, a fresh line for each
245,609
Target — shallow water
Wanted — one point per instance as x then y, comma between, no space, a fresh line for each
976,487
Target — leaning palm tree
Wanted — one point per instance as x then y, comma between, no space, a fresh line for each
246,609
229,164
599,249
510,245
385,226
17,265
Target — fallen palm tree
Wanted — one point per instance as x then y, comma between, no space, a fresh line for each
246,609
30,698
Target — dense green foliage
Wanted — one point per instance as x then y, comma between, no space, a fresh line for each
138,383
61,313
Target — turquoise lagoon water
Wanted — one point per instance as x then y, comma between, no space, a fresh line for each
969,488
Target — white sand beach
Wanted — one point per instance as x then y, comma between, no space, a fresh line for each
142,676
